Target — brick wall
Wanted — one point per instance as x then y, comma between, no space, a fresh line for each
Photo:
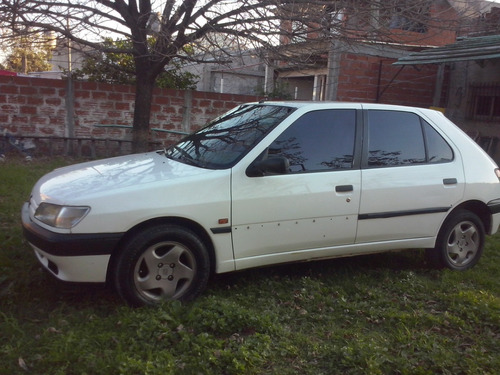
38,107
366,78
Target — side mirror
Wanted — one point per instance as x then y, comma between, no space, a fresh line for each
272,165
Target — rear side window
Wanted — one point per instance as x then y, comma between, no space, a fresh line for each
403,138
318,141
438,151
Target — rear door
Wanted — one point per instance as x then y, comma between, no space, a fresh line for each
411,177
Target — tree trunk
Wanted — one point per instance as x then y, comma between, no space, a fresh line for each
144,94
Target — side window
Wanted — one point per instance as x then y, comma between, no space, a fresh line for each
394,138
319,140
402,138
438,151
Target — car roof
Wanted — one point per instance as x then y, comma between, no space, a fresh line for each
334,104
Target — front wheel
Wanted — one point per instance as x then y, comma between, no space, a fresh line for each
163,262
460,242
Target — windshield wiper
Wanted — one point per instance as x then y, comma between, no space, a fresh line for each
182,156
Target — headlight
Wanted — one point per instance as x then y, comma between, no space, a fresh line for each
64,217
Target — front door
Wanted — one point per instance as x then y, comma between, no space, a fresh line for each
304,213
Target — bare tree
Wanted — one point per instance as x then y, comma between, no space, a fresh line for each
175,24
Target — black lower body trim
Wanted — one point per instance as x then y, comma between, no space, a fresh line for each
494,206
221,230
68,244
387,215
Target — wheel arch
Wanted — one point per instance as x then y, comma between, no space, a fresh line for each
179,221
452,250
479,208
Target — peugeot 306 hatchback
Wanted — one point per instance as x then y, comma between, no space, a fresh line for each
267,183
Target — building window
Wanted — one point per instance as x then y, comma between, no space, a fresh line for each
406,15
484,104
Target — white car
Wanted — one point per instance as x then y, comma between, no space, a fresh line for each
267,183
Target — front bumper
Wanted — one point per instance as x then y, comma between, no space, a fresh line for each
71,257
78,269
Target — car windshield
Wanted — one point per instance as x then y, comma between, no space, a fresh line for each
224,141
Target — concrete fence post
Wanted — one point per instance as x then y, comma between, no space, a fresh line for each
70,111
187,108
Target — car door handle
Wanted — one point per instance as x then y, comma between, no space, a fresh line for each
344,188
450,181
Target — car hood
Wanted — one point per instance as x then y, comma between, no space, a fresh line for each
65,185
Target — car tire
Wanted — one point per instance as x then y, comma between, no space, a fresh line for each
460,242
162,262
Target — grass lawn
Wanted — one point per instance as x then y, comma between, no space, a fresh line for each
379,314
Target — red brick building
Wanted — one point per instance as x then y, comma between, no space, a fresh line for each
472,63
360,68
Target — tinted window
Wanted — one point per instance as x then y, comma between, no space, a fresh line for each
438,151
319,140
395,138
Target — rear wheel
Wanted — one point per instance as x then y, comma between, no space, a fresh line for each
163,262
460,242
